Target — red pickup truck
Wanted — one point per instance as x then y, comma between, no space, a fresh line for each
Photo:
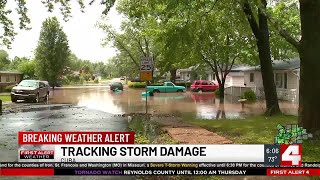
203,85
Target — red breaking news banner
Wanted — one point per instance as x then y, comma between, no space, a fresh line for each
75,138
293,172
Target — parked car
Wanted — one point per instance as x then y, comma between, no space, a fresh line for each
203,85
33,90
167,87
116,85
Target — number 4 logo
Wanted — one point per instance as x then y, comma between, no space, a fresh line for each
291,155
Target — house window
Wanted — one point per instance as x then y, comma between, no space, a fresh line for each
213,75
279,80
251,77
8,78
285,76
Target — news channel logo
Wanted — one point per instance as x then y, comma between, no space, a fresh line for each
291,134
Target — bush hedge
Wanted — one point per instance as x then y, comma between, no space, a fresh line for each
139,85
250,96
8,88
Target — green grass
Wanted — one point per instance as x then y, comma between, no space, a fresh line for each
5,98
258,130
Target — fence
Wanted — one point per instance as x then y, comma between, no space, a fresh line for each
283,94
238,91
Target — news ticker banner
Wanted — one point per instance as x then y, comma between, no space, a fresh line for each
154,169
120,147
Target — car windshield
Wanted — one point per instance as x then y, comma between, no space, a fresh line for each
28,84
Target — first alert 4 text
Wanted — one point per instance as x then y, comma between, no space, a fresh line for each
133,151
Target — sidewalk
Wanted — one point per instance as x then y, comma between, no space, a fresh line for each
186,133
190,134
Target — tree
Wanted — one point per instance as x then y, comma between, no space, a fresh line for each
308,48
65,7
223,40
52,52
260,29
27,67
4,60
132,44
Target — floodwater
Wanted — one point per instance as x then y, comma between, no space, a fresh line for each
199,105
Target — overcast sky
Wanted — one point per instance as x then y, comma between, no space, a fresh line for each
84,38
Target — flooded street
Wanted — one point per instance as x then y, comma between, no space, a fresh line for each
198,105
97,109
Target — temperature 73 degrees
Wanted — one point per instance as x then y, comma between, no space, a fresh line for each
272,159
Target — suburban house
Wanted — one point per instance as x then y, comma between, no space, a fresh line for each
234,78
185,74
188,74
8,78
286,77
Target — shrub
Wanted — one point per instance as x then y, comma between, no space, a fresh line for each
139,85
249,95
140,139
130,84
136,84
8,88
96,81
66,81
217,92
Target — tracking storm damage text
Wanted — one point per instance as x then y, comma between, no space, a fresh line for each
133,151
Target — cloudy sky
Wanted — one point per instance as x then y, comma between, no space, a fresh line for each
84,38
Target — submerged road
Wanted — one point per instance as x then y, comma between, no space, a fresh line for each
54,118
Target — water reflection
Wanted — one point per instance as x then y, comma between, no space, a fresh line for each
200,105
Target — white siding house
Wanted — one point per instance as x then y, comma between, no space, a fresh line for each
286,77
234,78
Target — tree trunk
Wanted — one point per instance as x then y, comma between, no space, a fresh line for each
261,32
221,93
309,101
269,87
173,74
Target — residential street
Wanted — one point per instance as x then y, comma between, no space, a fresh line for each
96,108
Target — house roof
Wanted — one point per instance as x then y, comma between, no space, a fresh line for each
239,67
288,64
10,72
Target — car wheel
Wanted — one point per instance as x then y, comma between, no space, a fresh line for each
14,100
179,90
200,90
156,91
36,99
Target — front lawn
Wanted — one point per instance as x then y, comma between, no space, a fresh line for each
5,98
258,130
